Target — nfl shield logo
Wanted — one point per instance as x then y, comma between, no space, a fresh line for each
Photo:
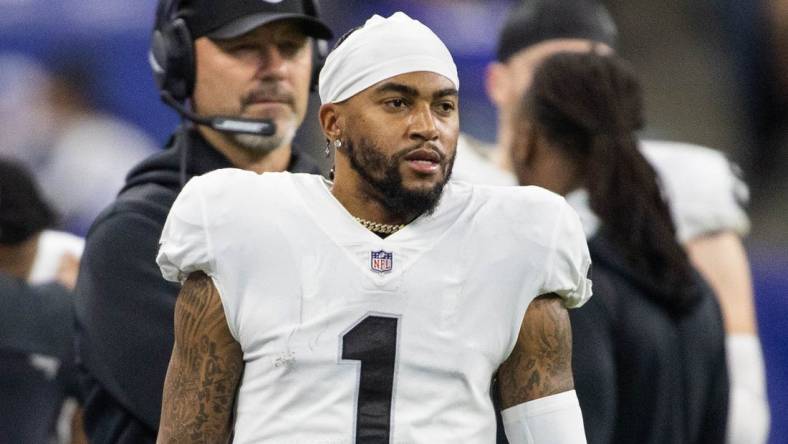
382,261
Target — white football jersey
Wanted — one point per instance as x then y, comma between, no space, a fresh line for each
348,337
474,164
52,246
703,192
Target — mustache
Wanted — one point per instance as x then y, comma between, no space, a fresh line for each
268,93
424,145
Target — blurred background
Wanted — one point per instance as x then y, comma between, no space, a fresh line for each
78,104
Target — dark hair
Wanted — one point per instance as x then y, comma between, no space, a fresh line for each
23,212
590,106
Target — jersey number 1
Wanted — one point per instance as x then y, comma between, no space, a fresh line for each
373,342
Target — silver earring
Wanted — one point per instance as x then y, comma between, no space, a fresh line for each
337,145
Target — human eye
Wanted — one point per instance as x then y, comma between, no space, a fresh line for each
396,104
291,46
446,107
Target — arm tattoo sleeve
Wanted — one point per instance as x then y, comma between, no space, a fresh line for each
204,371
541,363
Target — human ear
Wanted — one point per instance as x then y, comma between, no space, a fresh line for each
496,83
330,121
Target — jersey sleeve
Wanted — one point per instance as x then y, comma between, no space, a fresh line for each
704,192
568,261
184,246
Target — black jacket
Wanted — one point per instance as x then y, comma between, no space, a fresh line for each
641,374
37,369
124,307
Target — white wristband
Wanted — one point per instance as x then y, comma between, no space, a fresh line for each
748,414
554,419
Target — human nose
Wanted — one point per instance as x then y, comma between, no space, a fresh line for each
423,124
272,63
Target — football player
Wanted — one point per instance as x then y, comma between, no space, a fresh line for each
377,307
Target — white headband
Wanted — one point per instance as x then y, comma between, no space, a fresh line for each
383,48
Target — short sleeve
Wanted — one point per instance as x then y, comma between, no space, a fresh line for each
703,189
569,261
184,246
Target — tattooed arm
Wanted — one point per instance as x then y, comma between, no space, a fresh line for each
204,371
541,363
536,385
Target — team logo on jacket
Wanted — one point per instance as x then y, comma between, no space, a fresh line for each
382,261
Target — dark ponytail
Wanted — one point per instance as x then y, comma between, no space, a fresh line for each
590,106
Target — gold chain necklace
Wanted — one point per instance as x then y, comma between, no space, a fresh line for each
377,227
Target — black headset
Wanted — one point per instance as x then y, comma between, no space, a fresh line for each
171,54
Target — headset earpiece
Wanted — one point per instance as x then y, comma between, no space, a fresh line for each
319,53
180,63
172,54
320,47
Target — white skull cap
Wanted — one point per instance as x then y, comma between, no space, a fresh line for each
381,49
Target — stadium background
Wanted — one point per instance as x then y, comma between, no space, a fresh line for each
707,68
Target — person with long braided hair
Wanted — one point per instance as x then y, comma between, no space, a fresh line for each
649,350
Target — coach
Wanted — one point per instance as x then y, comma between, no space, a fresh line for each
240,72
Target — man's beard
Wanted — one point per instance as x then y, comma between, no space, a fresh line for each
262,145
369,162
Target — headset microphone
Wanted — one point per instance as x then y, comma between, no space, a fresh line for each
221,123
